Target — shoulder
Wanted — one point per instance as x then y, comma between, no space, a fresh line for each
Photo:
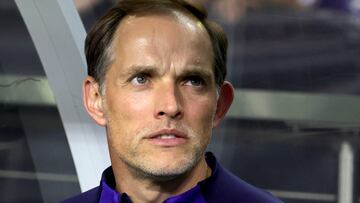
223,186
90,196
233,188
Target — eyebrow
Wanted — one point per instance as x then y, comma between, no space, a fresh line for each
153,70
135,69
197,70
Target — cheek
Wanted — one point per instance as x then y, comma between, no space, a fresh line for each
201,113
124,113
128,107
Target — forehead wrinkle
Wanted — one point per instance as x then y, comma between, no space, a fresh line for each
161,67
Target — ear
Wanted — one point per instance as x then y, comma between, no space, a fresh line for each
93,100
224,102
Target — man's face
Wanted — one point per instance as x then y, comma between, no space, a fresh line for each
160,95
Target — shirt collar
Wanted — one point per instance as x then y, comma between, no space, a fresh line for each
194,195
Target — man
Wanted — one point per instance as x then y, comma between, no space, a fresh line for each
156,83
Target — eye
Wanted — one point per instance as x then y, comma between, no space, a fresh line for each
194,81
140,79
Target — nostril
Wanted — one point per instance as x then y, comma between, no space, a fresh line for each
161,113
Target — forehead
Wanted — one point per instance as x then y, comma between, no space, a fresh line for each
161,39
162,25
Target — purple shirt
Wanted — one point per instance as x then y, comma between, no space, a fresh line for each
221,186
110,195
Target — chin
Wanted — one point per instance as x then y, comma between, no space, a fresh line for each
168,173
166,169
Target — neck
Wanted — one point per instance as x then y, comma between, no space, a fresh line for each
145,190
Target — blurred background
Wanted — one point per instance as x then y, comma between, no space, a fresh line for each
293,129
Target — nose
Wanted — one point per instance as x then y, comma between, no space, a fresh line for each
168,102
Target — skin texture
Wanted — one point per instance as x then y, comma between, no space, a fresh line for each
161,82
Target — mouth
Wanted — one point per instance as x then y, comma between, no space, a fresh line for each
167,138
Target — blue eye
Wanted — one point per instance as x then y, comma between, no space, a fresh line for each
195,81
139,80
